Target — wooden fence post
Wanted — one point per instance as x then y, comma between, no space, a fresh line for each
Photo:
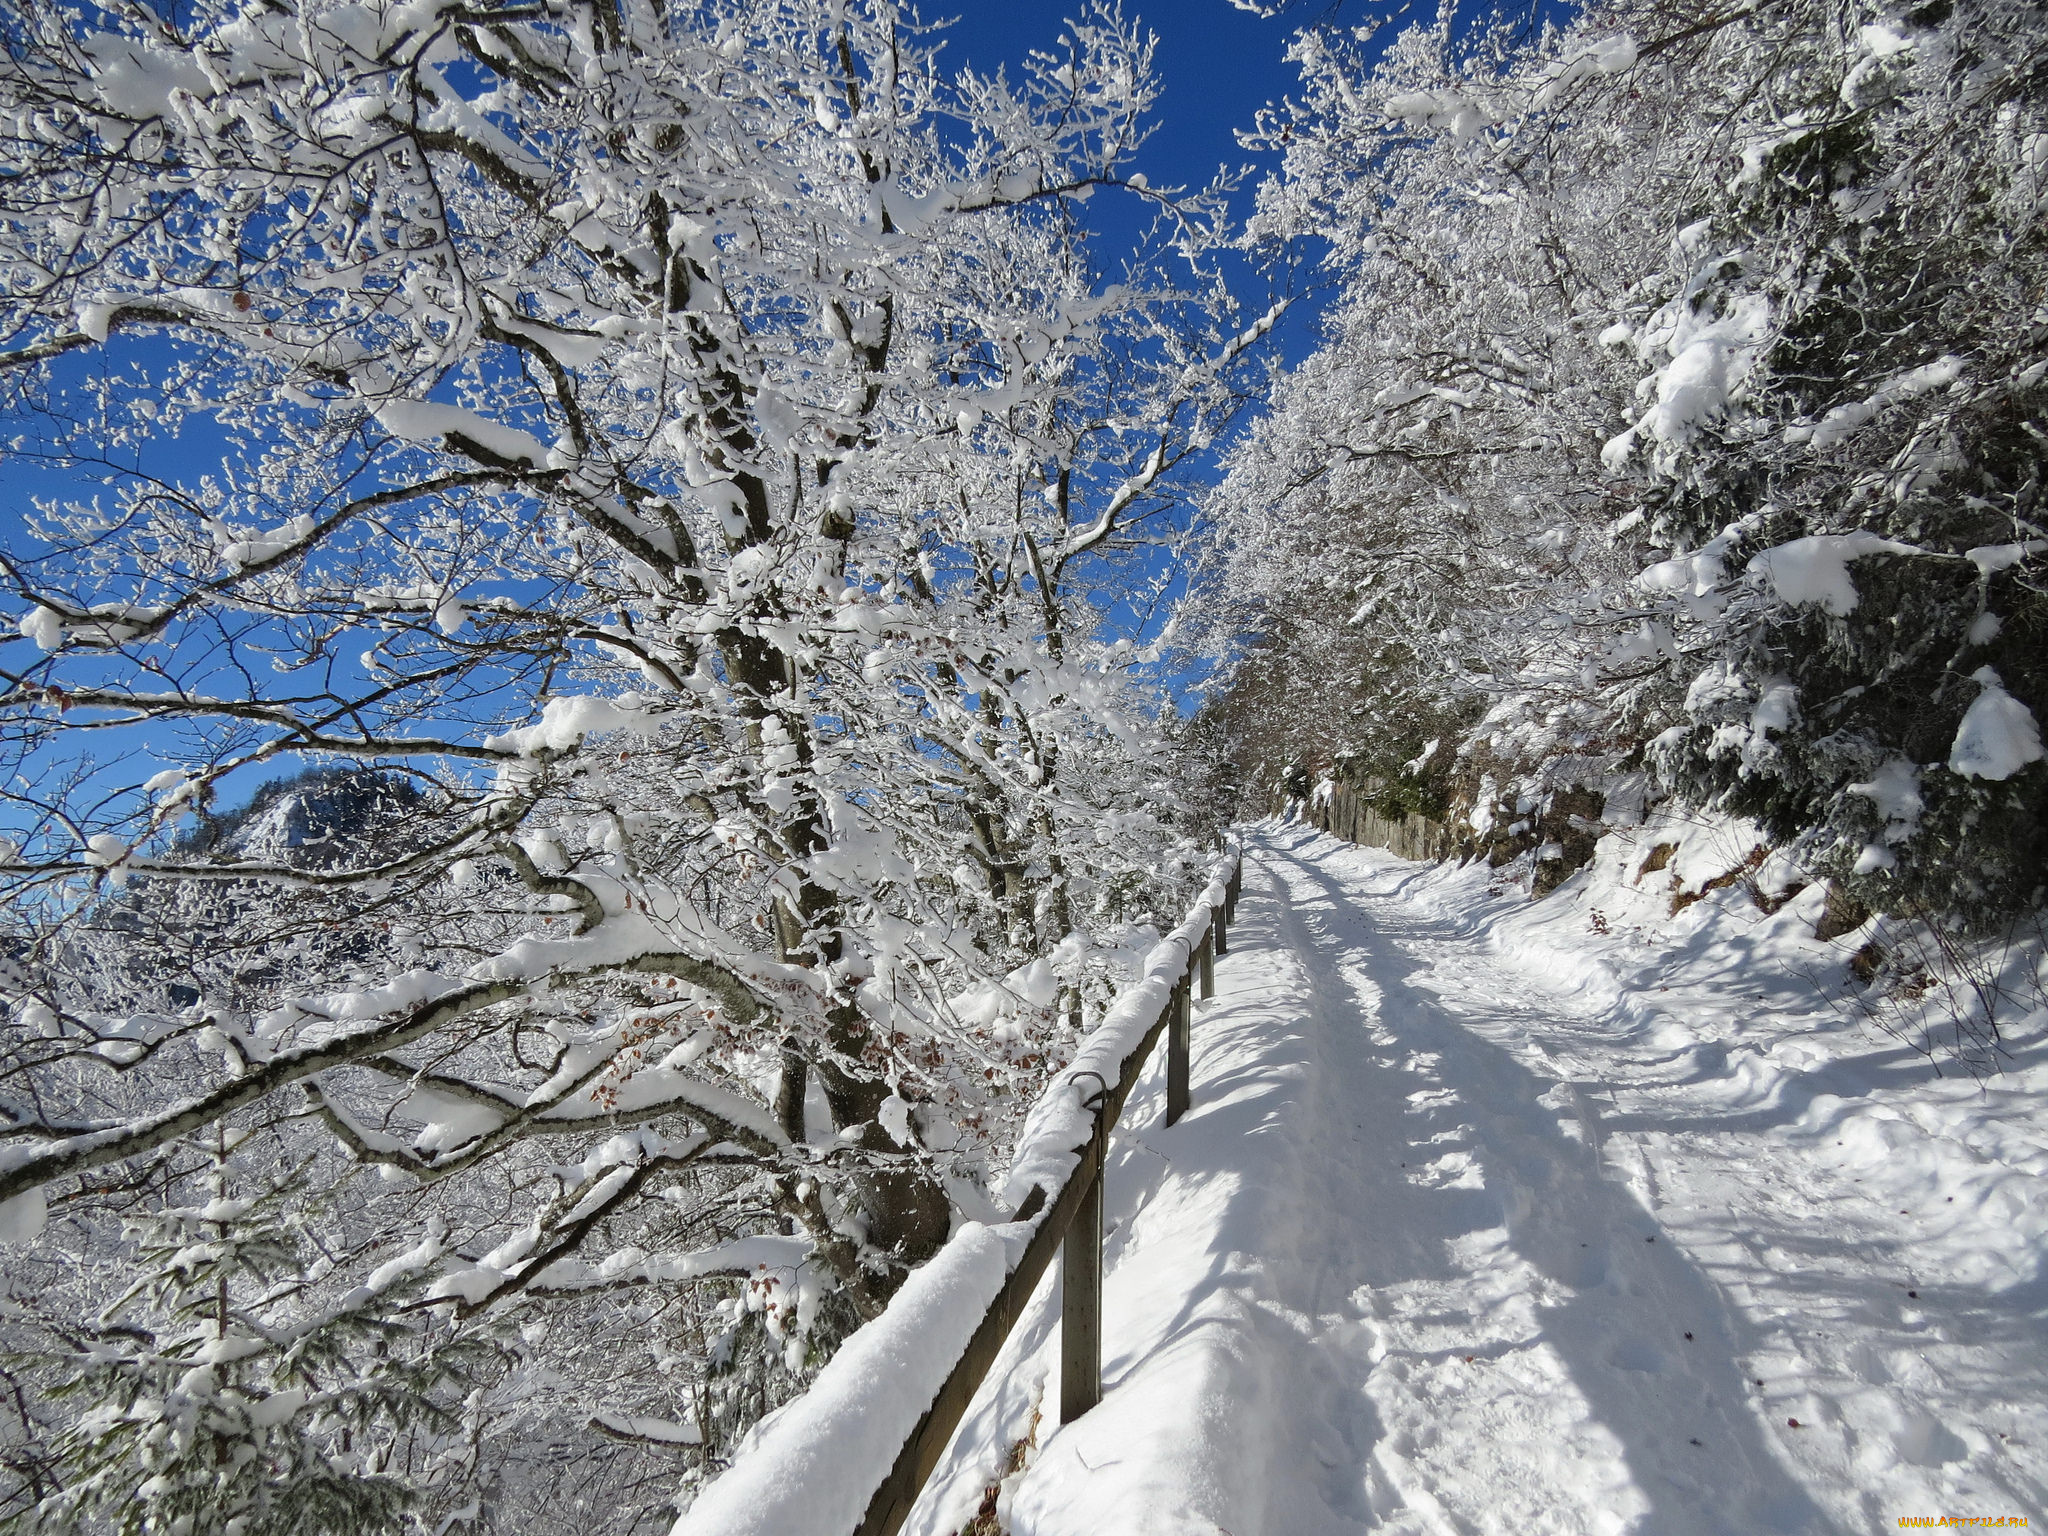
1178,1030
1081,1299
1205,959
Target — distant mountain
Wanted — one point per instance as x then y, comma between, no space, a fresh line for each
322,818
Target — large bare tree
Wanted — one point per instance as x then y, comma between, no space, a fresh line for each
658,467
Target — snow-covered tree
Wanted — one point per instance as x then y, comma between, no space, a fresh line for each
1680,408
207,1396
673,454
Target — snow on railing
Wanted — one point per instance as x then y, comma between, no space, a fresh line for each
849,1457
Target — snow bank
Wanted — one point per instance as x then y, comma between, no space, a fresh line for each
1060,1123
822,1459
1574,1215
818,1463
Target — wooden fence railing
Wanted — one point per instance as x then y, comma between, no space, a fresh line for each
796,1482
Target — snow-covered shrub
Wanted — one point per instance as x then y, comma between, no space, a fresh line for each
215,1393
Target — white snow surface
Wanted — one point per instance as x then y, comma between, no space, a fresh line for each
1059,1122
1844,421
421,421
1998,735
43,626
22,1218
567,719
1895,791
1815,569
1491,1217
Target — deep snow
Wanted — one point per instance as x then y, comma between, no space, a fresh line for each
1494,1217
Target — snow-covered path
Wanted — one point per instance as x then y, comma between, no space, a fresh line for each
1461,1235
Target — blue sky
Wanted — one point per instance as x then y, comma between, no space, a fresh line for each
1217,64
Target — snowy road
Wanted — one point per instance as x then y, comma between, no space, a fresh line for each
1464,1235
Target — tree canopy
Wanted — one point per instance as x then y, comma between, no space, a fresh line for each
1678,419
674,460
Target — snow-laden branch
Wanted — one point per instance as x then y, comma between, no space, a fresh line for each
26,1169
1193,382
439,1003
